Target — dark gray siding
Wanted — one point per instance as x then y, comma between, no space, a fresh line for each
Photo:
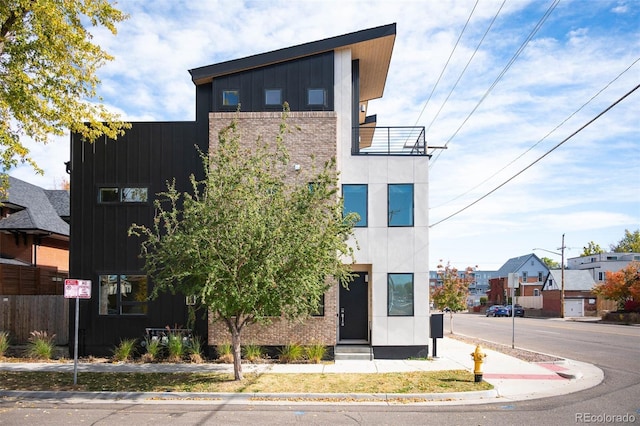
293,77
148,155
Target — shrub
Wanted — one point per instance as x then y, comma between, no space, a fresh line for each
176,347
291,353
315,352
483,301
4,342
125,350
631,306
252,353
195,350
154,349
225,353
41,345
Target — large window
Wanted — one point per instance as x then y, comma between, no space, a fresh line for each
400,204
355,201
123,294
399,295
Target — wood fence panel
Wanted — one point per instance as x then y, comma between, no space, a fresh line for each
20,315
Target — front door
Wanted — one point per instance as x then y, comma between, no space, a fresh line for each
353,313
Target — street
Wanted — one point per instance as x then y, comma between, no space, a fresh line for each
613,348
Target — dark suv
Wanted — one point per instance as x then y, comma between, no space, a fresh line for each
519,311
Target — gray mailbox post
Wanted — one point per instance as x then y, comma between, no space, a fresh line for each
436,323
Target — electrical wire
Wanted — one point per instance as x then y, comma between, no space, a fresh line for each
543,138
533,32
538,159
447,63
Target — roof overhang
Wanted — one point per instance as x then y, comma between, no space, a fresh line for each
372,47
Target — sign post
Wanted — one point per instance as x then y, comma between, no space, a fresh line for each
76,289
513,282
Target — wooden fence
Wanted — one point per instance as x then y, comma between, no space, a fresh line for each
30,280
20,315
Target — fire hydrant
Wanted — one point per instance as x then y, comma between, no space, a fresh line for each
478,358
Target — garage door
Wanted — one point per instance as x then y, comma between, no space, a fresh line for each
574,308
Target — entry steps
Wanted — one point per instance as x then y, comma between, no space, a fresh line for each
353,352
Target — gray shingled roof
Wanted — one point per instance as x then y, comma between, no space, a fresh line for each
574,280
513,265
42,209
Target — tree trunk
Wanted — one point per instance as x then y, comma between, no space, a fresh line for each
450,322
237,354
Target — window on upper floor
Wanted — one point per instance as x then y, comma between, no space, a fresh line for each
355,201
230,98
273,97
123,294
400,205
400,295
602,276
316,97
524,277
112,195
540,276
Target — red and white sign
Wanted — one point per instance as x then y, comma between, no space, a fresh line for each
77,289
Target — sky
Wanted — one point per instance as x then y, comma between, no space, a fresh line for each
506,86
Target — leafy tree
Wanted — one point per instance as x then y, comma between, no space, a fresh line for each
592,248
629,244
48,76
621,286
550,263
250,243
453,292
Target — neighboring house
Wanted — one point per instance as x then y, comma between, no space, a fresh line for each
579,299
477,289
34,239
599,264
383,177
531,272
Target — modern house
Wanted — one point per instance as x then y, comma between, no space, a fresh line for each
599,264
328,85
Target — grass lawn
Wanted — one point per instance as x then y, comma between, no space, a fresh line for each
403,383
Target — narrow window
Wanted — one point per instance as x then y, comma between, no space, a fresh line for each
525,277
273,97
399,295
400,205
316,97
230,97
320,311
355,201
108,195
536,292
134,195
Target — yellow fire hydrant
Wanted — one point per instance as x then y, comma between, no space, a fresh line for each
478,358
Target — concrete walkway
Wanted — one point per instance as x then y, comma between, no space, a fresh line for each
513,379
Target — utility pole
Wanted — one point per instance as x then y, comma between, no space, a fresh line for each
562,279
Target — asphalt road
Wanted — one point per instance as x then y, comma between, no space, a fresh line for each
615,349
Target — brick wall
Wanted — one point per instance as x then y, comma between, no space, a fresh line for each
311,133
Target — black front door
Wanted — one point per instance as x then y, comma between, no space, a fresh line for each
353,311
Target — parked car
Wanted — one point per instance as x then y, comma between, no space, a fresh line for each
496,311
519,311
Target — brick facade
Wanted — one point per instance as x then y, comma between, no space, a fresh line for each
311,134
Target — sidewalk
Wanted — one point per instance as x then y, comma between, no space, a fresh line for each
512,378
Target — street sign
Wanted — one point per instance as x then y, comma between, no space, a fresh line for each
77,289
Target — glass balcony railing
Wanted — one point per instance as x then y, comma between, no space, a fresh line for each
377,140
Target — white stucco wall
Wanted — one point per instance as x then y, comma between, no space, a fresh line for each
387,250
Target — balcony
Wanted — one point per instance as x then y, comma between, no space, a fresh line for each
377,140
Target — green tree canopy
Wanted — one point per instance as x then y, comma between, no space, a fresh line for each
250,242
454,290
48,70
550,263
630,243
592,248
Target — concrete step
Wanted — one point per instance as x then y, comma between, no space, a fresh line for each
353,352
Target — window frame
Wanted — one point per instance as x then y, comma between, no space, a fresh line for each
391,292
364,219
119,195
266,97
121,308
225,99
390,223
312,90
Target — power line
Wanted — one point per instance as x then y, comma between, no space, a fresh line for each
447,63
502,73
538,159
544,137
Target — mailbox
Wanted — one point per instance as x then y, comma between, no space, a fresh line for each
437,326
